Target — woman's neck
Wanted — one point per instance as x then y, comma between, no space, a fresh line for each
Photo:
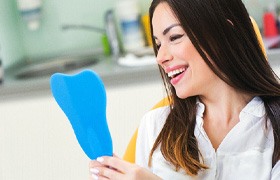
224,103
222,109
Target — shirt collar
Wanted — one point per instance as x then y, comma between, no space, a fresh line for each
200,108
255,107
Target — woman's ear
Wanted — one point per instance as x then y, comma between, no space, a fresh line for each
230,22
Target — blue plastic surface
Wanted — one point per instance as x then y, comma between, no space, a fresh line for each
82,98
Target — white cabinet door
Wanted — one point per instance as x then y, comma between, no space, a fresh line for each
37,141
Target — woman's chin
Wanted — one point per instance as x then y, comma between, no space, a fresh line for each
183,95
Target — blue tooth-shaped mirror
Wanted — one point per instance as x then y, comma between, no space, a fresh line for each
82,98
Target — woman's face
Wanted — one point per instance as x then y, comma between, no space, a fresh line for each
188,72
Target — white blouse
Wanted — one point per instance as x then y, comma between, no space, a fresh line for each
245,153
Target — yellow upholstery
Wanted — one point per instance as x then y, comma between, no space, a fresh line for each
129,154
259,36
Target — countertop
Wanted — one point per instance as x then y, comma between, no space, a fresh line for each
112,74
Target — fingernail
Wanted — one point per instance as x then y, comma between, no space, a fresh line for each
94,171
94,176
100,159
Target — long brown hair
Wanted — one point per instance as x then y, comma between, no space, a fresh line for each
223,30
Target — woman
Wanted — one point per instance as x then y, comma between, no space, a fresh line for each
224,119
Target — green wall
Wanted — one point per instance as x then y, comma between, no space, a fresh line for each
11,43
17,42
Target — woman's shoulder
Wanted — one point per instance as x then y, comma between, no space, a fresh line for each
153,121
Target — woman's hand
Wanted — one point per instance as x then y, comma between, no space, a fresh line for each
116,168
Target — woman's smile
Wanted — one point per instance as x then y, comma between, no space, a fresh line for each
174,73
177,78
177,74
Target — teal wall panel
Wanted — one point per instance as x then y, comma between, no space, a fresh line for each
17,42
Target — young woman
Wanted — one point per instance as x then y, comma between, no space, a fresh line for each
224,118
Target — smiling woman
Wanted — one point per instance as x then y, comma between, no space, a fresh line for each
224,99
186,69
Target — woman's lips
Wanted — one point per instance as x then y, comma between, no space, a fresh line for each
177,78
175,72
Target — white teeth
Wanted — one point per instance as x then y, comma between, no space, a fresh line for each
177,71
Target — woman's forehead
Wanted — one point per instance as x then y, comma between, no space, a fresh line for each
163,16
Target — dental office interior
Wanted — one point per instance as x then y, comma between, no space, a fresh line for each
41,37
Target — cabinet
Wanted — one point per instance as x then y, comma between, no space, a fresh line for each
37,141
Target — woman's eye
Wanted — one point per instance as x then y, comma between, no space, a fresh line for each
158,46
175,37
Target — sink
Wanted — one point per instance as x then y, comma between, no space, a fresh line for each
50,66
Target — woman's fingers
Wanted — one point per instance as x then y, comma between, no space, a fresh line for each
114,163
94,172
106,173
94,163
108,168
114,155
104,168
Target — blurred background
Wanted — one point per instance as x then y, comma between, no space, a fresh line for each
18,42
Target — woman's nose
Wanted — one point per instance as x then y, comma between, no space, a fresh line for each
163,55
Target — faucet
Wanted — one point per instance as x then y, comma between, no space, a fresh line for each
110,30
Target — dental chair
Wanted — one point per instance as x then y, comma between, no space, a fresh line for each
129,154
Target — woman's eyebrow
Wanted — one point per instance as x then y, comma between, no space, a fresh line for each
165,31
169,28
